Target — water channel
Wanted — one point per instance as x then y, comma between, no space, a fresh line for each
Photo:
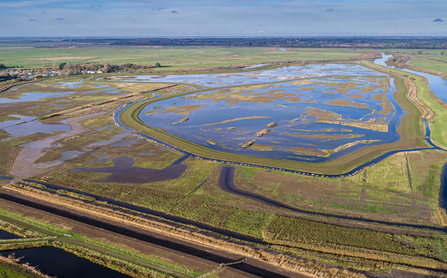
6,235
57,262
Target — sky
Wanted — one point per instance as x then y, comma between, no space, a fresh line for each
223,18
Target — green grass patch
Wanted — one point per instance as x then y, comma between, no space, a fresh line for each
174,57
247,222
14,271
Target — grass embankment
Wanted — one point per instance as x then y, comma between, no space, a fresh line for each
409,129
14,229
373,250
437,125
439,108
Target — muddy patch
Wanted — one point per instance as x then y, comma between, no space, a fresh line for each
123,171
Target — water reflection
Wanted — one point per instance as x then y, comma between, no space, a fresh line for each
57,262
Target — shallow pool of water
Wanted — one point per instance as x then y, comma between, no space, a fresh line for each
69,85
57,262
30,127
6,235
33,97
256,77
255,66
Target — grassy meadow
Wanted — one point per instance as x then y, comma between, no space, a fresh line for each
172,57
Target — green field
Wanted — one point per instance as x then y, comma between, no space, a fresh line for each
430,64
173,57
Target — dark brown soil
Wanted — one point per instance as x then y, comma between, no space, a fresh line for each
124,172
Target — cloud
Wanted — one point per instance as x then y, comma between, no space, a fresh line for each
330,10
174,12
94,7
438,20
60,18
129,16
158,8
43,12
32,19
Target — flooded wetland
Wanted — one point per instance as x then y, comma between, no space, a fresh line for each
339,110
329,113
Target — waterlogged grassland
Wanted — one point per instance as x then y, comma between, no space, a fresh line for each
55,95
163,196
174,57
34,103
382,191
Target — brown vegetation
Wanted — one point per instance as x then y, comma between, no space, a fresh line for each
181,121
128,217
14,263
347,102
248,144
412,95
262,132
239,119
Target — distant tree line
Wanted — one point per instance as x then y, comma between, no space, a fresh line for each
3,66
311,42
104,67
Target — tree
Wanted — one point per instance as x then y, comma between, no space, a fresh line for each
157,65
2,66
61,66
